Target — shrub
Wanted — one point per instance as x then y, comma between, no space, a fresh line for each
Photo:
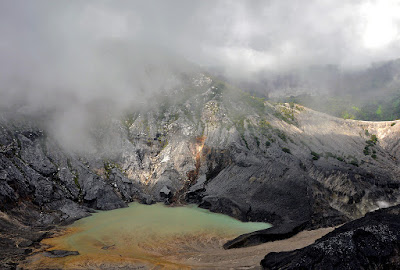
374,138
370,143
315,155
354,162
286,150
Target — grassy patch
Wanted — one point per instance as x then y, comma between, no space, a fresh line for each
285,114
370,144
374,138
76,179
254,102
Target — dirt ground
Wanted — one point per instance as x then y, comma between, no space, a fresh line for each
250,257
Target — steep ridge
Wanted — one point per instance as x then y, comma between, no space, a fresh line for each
210,144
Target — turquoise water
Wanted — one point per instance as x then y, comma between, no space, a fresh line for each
163,220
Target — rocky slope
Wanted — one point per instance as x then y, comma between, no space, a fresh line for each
371,242
208,144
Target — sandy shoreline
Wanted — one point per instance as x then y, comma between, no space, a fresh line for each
187,254
250,257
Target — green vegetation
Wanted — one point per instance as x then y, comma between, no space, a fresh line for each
245,142
375,108
329,154
239,124
394,123
76,179
285,114
162,140
108,166
164,144
280,134
370,144
264,125
347,115
254,102
374,139
379,111
315,155
286,150
354,162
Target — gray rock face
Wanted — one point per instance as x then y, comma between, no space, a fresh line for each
33,155
165,192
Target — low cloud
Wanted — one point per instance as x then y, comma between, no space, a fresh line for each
77,61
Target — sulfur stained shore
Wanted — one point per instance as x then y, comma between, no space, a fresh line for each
196,252
141,236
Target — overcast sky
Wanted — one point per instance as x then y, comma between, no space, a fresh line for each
67,55
249,34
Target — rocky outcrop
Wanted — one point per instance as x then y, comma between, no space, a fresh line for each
371,242
282,231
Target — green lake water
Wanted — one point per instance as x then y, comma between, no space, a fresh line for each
148,232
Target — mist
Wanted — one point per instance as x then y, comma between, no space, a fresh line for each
79,62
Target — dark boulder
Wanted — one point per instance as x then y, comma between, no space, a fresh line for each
60,253
165,193
371,242
227,206
284,231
